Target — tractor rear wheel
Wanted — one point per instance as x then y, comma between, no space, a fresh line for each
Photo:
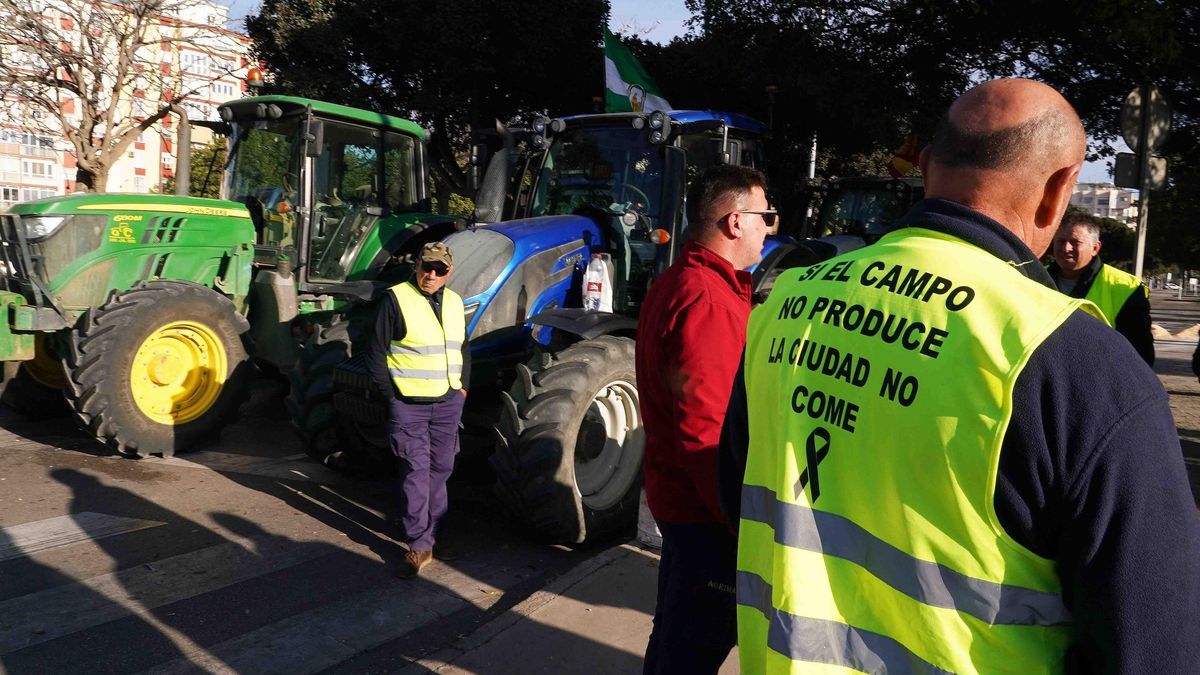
568,457
159,368
310,399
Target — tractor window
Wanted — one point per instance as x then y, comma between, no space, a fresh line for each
606,168
400,173
703,150
345,199
264,174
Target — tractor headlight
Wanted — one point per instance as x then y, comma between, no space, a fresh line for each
40,227
660,127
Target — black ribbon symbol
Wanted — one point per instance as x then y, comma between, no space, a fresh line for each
815,448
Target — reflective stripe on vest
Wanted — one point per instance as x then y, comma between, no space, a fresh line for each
1111,288
428,361
880,392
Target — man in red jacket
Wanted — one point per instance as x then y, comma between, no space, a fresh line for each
690,340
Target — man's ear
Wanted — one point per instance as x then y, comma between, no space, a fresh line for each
923,159
731,225
1056,196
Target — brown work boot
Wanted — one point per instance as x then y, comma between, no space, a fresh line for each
412,563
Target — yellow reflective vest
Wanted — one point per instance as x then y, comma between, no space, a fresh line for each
428,361
880,387
1111,288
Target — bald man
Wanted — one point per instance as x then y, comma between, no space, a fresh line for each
937,461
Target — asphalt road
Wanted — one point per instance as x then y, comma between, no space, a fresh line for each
243,557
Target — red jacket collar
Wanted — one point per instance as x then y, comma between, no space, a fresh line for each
698,255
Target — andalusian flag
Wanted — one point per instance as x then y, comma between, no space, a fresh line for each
627,86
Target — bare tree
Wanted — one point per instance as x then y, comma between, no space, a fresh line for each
101,73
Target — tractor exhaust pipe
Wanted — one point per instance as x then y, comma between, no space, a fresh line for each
183,153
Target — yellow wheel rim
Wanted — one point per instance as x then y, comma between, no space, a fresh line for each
44,368
178,372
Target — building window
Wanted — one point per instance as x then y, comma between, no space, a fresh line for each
30,194
139,183
9,195
37,169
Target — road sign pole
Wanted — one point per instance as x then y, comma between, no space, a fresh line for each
1143,156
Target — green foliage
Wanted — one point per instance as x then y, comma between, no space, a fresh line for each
208,171
453,65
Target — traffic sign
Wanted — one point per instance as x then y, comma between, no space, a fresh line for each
1127,171
1159,117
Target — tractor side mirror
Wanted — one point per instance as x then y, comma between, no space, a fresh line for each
314,137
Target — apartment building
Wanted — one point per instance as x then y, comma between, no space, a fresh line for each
36,160
1106,201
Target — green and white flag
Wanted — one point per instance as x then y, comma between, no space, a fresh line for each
627,86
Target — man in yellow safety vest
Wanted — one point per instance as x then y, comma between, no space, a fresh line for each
938,462
419,362
1078,271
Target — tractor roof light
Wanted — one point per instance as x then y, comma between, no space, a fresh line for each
540,142
539,126
639,123
557,125
254,78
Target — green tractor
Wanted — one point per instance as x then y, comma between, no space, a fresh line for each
150,312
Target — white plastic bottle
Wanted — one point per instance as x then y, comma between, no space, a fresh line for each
606,288
595,285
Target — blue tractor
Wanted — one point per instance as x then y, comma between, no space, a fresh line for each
552,381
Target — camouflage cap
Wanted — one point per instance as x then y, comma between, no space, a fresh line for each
436,251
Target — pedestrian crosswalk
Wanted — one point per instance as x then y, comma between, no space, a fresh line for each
278,565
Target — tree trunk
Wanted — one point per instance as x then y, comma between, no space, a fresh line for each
442,194
91,181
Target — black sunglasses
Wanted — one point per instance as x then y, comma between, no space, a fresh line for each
438,270
769,216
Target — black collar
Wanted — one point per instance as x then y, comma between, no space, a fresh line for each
962,222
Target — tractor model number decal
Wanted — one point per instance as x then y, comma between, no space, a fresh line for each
122,233
571,260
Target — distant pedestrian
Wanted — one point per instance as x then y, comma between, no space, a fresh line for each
419,363
691,332
945,464
1078,271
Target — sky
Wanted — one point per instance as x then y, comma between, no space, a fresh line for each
659,21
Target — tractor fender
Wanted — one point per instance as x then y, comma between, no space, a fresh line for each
584,323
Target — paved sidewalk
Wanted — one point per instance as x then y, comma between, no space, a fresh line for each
594,619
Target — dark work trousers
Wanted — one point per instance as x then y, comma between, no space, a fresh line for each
424,437
695,620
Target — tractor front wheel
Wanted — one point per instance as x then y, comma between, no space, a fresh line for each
568,457
158,368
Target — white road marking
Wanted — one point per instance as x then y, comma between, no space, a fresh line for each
63,610
42,535
322,638
292,467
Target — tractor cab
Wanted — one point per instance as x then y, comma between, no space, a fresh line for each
613,184
321,182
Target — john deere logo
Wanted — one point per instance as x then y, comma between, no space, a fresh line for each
121,234
637,97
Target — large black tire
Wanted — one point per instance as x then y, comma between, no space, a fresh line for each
101,359
310,400
568,457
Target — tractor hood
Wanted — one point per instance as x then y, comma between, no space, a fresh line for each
508,272
86,202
